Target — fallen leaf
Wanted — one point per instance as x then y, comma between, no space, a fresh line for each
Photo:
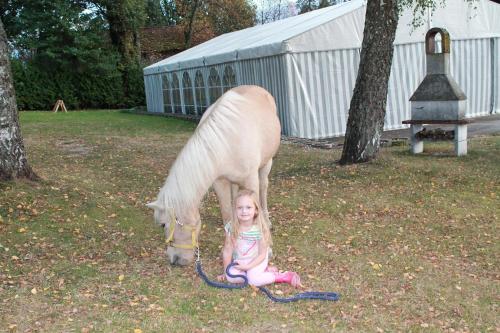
21,230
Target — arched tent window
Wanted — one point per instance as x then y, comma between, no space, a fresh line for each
200,92
187,90
214,85
176,94
229,78
167,99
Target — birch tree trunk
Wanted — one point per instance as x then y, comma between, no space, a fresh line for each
367,110
13,162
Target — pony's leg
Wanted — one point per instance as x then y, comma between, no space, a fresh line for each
263,185
234,191
258,184
252,183
222,188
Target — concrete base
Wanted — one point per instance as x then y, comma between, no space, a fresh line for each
461,140
417,145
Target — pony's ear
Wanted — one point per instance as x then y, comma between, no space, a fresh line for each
153,205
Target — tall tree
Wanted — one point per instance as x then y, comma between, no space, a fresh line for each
61,49
125,17
305,6
189,10
13,162
219,16
367,110
157,13
230,15
46,29
273,10
324,3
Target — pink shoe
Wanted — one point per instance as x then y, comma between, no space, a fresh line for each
291,278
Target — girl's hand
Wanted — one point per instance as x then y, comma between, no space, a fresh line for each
221,277
240,266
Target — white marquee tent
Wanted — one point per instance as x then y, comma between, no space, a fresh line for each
309,64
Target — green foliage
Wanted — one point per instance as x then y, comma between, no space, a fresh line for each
305,6
61,50
157,14
227,16
38,89
420,8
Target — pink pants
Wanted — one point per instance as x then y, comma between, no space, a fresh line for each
256,276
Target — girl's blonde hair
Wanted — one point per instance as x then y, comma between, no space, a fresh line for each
259,218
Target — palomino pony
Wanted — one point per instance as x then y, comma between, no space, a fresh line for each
233,145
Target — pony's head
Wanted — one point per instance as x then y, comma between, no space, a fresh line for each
181,229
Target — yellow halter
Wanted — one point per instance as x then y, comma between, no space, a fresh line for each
170,238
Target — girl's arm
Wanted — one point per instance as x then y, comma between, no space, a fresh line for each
258,259
227,251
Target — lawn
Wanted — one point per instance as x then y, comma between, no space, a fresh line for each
410,242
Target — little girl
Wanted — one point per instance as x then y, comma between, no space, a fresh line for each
248,241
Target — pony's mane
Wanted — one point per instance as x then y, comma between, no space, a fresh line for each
194,170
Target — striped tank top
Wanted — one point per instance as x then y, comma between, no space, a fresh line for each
247,246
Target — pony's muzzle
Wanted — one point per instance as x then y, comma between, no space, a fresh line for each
179,257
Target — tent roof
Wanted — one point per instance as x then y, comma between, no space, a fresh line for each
336,27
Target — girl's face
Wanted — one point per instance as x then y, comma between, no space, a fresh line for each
245,209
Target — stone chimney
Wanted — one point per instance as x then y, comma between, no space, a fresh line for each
438,97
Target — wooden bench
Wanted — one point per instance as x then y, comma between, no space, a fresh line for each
460,135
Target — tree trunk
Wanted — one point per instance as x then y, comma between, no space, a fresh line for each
367,110
189,31
123,35
13,162
125,18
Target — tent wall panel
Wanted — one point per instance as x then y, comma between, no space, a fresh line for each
471,67
495,82
320,88
269,73
154,96
407,71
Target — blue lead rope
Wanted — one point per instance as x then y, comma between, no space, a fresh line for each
326,296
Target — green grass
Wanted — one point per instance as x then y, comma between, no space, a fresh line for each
411,242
